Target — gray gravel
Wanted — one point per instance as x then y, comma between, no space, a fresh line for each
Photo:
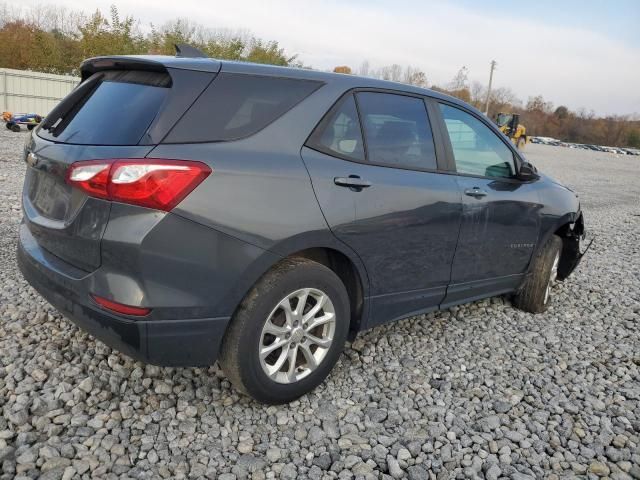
479,391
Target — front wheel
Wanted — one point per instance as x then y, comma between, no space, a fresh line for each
535,293
288,332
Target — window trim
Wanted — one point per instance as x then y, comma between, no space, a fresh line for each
517,160
441,156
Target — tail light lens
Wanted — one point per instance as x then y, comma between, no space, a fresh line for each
150,182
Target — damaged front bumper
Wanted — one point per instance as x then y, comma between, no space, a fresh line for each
576,243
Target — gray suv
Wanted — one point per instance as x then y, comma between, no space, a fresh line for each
186,210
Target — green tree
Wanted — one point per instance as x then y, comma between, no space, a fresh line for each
260,51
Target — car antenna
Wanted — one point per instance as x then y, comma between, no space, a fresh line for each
187,51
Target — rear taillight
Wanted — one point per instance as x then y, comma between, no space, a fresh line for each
150,182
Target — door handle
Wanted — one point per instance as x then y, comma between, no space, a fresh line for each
352,181
475,192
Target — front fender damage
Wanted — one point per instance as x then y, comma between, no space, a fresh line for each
574,246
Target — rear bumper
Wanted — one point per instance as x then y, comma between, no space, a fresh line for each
188,342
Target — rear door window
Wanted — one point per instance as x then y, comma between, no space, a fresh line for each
339,132
396,130
109,108
236,106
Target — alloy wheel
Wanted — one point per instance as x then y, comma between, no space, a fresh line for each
297,335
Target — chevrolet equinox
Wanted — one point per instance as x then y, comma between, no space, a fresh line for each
186,210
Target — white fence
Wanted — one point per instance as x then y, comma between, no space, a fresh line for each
22,91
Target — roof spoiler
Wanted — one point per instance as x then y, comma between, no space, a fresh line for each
96,64
154,63
187,51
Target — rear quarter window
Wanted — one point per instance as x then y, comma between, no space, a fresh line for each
339,134
236,106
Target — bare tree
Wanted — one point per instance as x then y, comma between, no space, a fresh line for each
460,80
364,69
415,76
478,93
391,72
538,104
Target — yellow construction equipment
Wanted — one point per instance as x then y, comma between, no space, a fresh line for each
509,124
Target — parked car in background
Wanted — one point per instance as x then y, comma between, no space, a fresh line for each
261,216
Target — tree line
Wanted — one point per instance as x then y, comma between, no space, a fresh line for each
56,40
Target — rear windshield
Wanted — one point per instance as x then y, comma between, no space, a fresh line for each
109,108
237,105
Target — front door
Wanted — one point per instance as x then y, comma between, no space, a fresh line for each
381,193
500,216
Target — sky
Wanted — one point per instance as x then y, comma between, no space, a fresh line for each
582,54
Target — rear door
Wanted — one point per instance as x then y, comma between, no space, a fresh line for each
376,170
500,219
111,114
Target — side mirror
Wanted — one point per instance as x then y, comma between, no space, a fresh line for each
528,172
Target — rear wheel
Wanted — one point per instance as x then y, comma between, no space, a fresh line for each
288,332
15,127
535,294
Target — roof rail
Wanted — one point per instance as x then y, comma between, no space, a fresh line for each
187,51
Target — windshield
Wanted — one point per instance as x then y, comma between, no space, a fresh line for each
503,119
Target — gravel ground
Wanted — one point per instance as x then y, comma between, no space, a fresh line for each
478,391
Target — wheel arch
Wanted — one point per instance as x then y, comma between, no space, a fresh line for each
549,228
352,278
321,247
569,228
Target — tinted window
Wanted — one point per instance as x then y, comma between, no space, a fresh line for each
397,130
236,106
109,108
339,132
477,149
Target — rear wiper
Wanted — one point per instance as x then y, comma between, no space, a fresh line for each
76,99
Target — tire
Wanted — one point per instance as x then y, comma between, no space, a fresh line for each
534,295
31,127
15,127
263,311
9,125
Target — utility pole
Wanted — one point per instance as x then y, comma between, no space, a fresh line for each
486,103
